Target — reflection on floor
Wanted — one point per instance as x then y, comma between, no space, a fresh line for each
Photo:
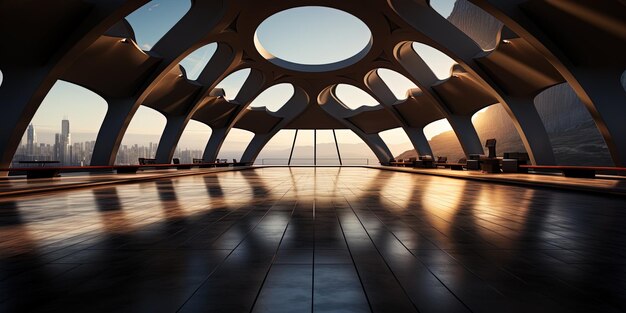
604,184
321,240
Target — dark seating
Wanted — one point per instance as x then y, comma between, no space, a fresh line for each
146,161
425,161
443,162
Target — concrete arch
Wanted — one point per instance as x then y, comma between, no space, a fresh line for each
253,86
528,59
422,76
332,105
31,71
592,70
223,58
294,107
452,41
387,99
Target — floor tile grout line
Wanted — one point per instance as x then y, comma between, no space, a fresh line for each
313,261
226,257
256,298
356,269
383,258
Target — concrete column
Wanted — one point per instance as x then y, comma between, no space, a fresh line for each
255,146
419,141
169,139
214,145
465,131
116,121
20,94
532,131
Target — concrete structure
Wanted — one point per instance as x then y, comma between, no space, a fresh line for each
89,43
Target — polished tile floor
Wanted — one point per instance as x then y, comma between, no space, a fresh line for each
321,240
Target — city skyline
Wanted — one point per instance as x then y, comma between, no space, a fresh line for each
78,152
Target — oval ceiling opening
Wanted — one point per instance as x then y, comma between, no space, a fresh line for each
313,39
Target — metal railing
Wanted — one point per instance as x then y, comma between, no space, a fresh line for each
311,161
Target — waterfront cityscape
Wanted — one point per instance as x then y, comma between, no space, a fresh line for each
69,153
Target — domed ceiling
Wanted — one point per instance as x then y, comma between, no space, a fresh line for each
523,48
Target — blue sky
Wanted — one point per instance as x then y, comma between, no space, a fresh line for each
293,35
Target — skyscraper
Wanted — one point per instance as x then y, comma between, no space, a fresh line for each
65,142
31,140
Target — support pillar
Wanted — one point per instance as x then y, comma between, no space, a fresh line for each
116,121
169,139
215,144
465,131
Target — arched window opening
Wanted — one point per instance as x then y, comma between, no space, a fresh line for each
233,83
142,136
440,63
276,151
443,141
153,20
326,148
1,78
494,122
193,141
396,82
477,24
354,97
574,136
354,151
196,61
64,128
235,144
398,142
274,98
303,149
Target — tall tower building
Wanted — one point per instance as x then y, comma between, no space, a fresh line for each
65,142
31,140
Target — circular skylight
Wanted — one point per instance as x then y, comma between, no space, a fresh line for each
313,39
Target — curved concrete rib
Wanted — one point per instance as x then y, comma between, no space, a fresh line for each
288,112
27,83
251,88
177,43
387,99
596,80
332,105
219,64
464,50
421,74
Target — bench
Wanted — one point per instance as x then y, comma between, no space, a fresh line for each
575,171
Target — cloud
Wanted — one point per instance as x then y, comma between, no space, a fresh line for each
154,6
146,46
